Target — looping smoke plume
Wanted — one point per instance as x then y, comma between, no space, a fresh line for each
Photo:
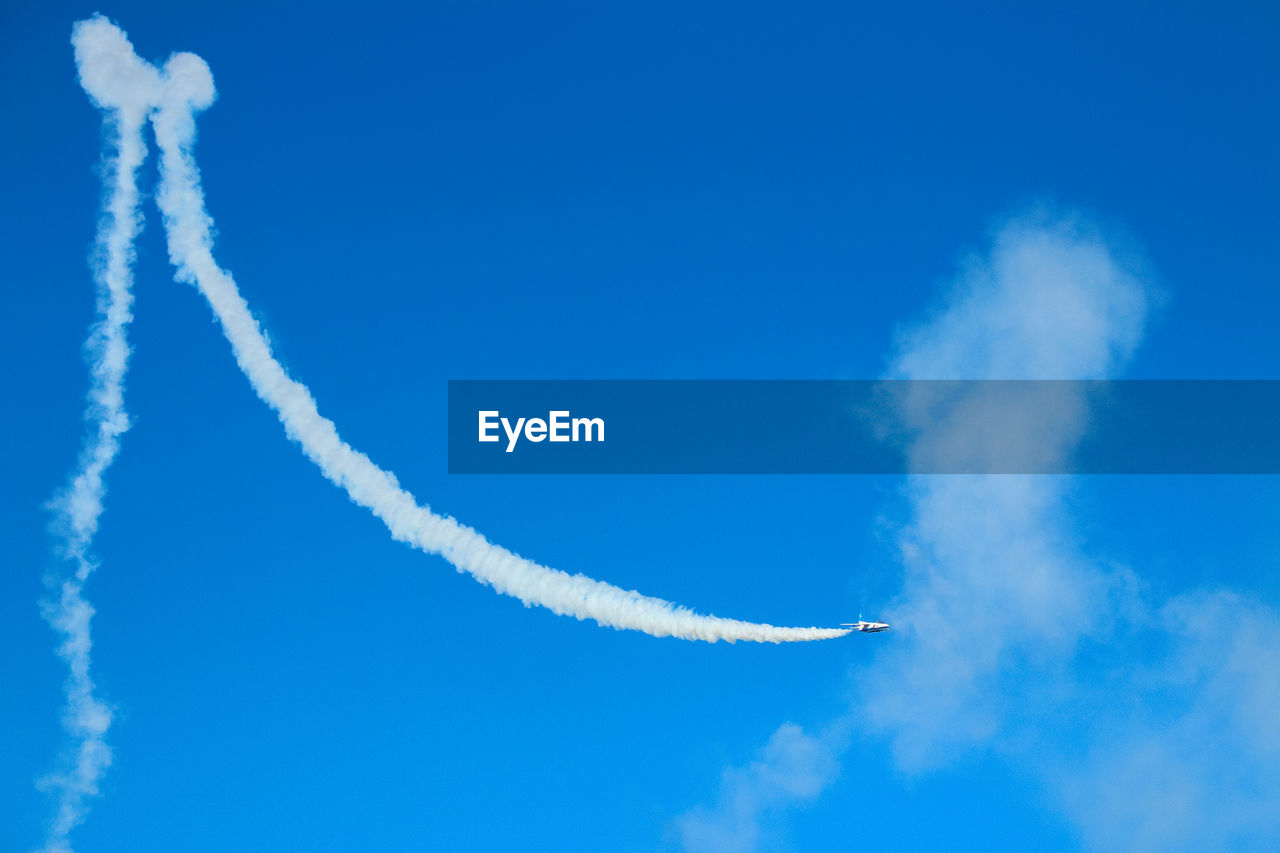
130,92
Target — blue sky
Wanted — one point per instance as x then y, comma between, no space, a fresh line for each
410,195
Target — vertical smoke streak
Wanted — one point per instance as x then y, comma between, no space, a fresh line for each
123,87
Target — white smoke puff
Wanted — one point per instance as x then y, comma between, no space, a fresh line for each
110,72
188,82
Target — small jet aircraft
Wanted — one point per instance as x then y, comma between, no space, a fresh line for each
866,627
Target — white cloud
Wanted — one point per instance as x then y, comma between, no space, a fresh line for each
992,581
1151,724
1189,754
792,768
1052,299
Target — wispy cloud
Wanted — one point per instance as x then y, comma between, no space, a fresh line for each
991,575
1051,299
1188,751
793,768
1007,632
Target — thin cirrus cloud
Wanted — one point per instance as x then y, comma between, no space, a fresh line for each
1007,632
792,768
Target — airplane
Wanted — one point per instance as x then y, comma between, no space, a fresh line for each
866,627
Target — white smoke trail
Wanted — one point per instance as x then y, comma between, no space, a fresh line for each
187,89
124,87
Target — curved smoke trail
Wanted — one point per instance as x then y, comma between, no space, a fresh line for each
124,87
188,88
